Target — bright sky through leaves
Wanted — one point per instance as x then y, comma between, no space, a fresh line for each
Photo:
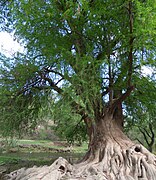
9,46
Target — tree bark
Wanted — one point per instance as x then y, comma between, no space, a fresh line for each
107,129
90,129
113,156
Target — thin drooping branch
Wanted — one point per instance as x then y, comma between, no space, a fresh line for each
39,81
33,83
58,81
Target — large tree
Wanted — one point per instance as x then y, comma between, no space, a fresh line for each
90,55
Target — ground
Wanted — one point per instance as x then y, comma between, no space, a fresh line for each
140,165
27,153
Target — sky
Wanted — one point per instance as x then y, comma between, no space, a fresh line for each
9,47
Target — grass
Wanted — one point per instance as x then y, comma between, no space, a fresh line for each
80,149
8,159
49,144
43,143
35,155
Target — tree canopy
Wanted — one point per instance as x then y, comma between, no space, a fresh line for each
89,53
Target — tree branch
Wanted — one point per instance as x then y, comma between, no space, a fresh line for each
144,136
110,80
152,132
53,85
139,141
106,92
130,56
148,134
122,97
48,70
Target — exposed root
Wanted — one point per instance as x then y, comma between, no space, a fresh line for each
55,172
134,163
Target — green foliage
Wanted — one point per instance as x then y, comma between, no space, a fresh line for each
142,128
19,108
80,55
68,124
143,98
140,121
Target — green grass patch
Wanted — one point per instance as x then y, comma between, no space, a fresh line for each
80,149
43,143
49,144
8,159
27,153
28,146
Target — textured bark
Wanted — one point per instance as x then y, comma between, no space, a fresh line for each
111,156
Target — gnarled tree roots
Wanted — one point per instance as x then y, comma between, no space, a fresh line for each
110,163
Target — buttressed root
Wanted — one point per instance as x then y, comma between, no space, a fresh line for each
134,163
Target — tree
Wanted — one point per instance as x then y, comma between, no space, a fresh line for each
142,118
91,53
141,127
149,136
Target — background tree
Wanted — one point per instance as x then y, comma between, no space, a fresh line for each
143,132
90,54
148,133
141,127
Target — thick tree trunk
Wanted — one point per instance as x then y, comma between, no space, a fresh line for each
107,131
111,156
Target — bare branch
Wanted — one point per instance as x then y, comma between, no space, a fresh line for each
53,85
106,92
144,136
66,77
152,132
148,134
139,141
122,97
59,81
